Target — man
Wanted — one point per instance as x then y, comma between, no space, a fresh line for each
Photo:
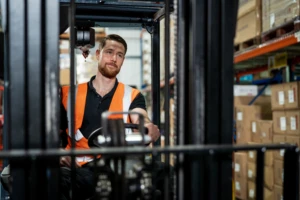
103,92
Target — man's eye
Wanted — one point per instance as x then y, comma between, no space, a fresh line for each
120,56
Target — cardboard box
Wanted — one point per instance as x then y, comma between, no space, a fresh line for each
285,96
241,187
245,6
244,116
248,26
278,172
252,156
278,12
268,194
293,120
240,164
278,97
278,192
279,122
269,177
243,134
255,131
279,139
248,113
251,174
266,131
269,158
251,190
264,101
292,140
253,112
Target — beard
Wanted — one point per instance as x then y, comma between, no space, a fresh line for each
108,72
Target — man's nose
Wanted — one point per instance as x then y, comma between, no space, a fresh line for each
114,58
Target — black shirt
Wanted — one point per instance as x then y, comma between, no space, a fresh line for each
95,106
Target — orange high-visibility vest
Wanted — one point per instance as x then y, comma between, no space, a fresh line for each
120,102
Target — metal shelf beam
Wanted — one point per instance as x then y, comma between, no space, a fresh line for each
266,48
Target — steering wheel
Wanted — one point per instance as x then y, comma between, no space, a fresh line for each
117,136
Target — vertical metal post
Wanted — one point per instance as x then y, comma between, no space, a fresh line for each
35,94
5,139
260,166
72,88
17,86
155,77
197,93
228,26
291,174
181,93
209,68
213,98
51,100
167,95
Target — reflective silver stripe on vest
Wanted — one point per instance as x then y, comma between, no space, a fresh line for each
84,159
126,101
78,135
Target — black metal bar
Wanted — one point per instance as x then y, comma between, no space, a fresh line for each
167,96
80,8
155,77
291,174
213,99
187,149
260,166
197,94
17,83
35,94
228,20
5,137
72,94
119,19
35,83
181,95
124,3
51,34
52,74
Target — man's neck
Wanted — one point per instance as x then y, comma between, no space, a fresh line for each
103,85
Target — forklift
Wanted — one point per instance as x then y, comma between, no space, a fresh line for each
204,32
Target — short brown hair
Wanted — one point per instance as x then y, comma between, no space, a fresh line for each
113,37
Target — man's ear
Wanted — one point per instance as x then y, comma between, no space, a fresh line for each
97,53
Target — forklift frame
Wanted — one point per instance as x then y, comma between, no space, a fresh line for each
203,97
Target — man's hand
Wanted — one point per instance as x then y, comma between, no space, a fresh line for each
66,161
153,131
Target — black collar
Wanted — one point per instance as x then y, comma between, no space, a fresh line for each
91,87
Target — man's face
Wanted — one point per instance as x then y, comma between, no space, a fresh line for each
110,58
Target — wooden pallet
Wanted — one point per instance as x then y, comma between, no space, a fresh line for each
287,28
247,44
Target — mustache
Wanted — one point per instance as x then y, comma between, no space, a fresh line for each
112,64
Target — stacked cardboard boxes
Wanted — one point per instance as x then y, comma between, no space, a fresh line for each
268,178
286,118
253,125
249,20
278,12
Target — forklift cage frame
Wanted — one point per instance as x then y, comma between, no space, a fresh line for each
203,100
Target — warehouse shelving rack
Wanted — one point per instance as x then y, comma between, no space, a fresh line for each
255,59
203,105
